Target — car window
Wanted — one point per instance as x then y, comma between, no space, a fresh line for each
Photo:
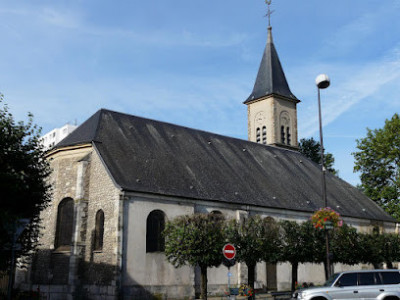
390,277
378,278
331,279
348,279
366,278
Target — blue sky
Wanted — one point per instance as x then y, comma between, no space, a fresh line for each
194,62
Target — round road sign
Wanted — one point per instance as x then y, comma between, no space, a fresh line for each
229,251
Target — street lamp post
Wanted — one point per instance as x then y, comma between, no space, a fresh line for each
322,81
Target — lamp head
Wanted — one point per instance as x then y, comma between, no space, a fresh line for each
322,81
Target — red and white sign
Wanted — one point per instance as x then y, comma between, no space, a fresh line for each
229,251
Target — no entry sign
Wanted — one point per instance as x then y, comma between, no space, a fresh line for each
229,251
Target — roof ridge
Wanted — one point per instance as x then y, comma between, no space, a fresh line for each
79,136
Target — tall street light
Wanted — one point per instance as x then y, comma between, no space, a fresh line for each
322,81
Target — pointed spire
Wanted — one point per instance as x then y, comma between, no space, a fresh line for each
269,39
270,78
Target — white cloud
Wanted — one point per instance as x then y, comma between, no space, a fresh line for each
357,83
351,35
64,19
55,18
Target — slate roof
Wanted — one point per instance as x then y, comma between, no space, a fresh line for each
149,156
270,78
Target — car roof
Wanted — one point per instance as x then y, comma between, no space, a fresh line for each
369,271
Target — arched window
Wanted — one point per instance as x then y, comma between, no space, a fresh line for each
155,226
65,224
99,231
264,135
216,212
375,230
258,138
282,134
284,121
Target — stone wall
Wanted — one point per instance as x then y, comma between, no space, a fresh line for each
51,266
80,174
103,194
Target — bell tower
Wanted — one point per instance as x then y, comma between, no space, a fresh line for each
271,107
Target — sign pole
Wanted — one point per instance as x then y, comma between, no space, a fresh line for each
229,279
229,252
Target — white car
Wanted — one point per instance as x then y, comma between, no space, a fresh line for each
365,284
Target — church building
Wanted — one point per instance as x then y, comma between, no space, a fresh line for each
118,178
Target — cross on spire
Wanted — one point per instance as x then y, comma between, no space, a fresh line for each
269,12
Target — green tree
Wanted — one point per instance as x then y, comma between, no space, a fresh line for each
195,240
25,191
300,245
378,160
345,245
379,248
372,249
391,249
312,149
256,239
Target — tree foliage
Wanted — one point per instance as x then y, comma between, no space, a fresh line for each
378,160
391,248
23,181
195,240
345,245
312,149
300,243
256,239
379,248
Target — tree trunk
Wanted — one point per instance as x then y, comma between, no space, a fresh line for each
203,282
295,266
377,265
251,277
389,265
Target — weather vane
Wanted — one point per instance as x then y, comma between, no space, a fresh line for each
269,12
